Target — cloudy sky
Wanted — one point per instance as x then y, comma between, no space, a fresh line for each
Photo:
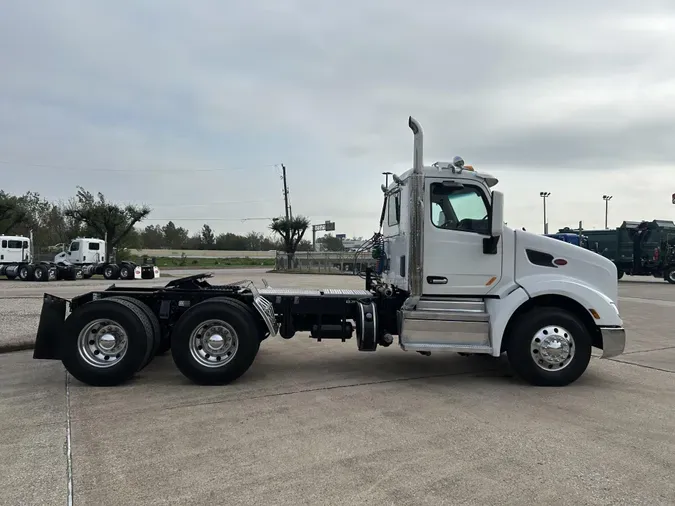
191,106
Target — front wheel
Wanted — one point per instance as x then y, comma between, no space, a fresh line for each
670,275
549,347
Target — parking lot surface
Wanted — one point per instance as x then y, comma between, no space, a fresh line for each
320,423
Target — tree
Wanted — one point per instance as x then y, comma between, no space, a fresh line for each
152,237
110,221
175,237
208,238
291,231
12,212
331,243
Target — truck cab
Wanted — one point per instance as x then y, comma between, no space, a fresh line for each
14,249
473,285
84,251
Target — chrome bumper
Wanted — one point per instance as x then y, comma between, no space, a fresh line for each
613,341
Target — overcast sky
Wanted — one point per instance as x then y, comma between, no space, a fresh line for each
190,106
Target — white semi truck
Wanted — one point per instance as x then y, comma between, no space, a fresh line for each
17,262
83,258
451,277
91,255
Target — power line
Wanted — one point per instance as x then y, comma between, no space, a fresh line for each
185,170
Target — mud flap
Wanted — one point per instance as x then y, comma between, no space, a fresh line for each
50,328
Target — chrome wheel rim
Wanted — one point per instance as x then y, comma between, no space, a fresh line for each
214,343
103,343
552,348
671,275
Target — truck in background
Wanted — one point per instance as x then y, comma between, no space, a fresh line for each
637,248
90,254
18,261
83,258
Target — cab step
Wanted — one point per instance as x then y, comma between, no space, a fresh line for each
448,324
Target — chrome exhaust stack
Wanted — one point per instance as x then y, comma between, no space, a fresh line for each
416,246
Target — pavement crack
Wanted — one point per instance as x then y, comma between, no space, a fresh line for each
642,365
326,388
68,446
648,351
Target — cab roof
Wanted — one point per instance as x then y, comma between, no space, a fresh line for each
446,168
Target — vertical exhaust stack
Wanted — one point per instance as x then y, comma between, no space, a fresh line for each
416,246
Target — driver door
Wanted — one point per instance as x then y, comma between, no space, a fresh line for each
455,224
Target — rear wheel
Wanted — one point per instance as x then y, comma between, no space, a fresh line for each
549,347
111,271
26,273
126,272
154,323
215,342
106,341
619,273
40,273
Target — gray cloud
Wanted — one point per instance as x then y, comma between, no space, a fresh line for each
327,90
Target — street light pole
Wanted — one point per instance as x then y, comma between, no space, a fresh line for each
544,195
606,198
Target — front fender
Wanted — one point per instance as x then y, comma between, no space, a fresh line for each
603,310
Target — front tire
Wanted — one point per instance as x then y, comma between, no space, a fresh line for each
670,275
549,347
215,342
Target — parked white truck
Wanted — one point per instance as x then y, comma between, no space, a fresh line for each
451,277
91,255
17,262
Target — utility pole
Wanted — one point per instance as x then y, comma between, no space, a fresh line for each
288,209
606,198
544,196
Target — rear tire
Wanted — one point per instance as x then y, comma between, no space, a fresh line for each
40,273
126,272
111,271
26,273
549,347
154,323
619,273
112,328
215,342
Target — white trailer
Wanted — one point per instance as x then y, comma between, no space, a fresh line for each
90,254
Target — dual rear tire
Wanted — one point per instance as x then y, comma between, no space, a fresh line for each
107,341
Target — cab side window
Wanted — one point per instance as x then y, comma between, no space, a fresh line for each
394,209
461,208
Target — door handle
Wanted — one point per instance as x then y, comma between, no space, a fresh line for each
437,280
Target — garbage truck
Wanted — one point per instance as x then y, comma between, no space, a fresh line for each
638,248
450,277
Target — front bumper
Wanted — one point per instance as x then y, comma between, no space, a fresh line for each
613,341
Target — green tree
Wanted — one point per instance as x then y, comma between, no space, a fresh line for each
330,243
107,220
175,237
12,212
208,238
291,231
